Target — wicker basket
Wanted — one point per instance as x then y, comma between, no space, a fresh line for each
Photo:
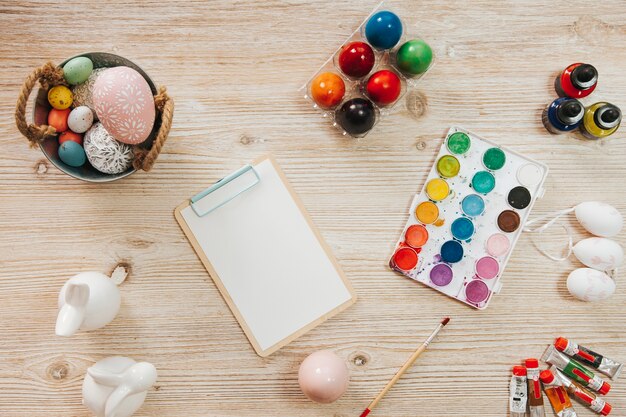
39,134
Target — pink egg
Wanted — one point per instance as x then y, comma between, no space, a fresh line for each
323,377
124,104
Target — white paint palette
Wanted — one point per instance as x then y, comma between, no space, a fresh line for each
465,222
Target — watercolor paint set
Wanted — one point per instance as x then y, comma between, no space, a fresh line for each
465,222
367,75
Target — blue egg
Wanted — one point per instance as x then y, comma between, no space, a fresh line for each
473,205
383,30
451,251
462,228
72,154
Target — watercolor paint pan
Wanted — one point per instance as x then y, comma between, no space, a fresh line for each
464,224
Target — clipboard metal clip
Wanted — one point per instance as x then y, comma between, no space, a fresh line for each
224,190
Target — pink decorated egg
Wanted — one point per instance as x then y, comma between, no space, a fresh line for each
124,104
323,377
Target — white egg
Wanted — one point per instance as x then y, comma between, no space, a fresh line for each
600,219
588,284
599,253
80,119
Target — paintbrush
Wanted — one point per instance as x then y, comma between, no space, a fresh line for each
406,366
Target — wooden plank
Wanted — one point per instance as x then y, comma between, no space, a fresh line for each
234,69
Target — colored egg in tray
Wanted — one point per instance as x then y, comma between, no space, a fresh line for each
465,222
369,73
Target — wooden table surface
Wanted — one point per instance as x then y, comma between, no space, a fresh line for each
234,69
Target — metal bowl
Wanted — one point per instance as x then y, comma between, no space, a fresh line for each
50,145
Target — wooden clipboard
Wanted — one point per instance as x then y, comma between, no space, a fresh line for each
336,296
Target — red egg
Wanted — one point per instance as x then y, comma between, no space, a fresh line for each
68,135
384,87
58,119
356,59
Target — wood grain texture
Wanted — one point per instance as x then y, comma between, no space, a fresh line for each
234,69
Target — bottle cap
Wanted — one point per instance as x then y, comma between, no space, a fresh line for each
546,376
584,76
608,116
605,388
519,370
606,409
561,344
570,112
531,363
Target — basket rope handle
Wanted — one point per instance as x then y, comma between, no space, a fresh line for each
145,158
47,75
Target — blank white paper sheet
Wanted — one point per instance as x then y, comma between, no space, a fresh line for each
271,265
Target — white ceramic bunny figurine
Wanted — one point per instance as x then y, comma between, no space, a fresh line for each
87,301
117,386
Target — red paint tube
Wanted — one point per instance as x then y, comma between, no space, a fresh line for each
607,366
535,397
582,394
557,395
575,370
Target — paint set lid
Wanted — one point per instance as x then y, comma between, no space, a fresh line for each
531,363
546,376
570,112
519,370
608,116
605,388
561,344
584,76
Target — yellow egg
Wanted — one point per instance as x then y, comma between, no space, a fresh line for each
60,97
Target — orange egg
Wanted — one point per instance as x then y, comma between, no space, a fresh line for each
328,89
58,119
68,135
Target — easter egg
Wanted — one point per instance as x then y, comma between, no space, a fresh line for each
327,89
72,154
80,119
60,97
598,218
599,253
356,59
588,284
384,87
414,57
58,119
323,377
71,136
105,153
124,104
383,30
77,70
356,116
83,92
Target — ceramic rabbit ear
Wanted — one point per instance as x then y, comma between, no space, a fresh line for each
115,399
72,313
105,377
77,295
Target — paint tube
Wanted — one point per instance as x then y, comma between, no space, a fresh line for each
518,392
535,398
557,395
575,370
607,366
582,394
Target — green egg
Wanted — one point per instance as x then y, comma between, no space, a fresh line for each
414,57
72,154
77,70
